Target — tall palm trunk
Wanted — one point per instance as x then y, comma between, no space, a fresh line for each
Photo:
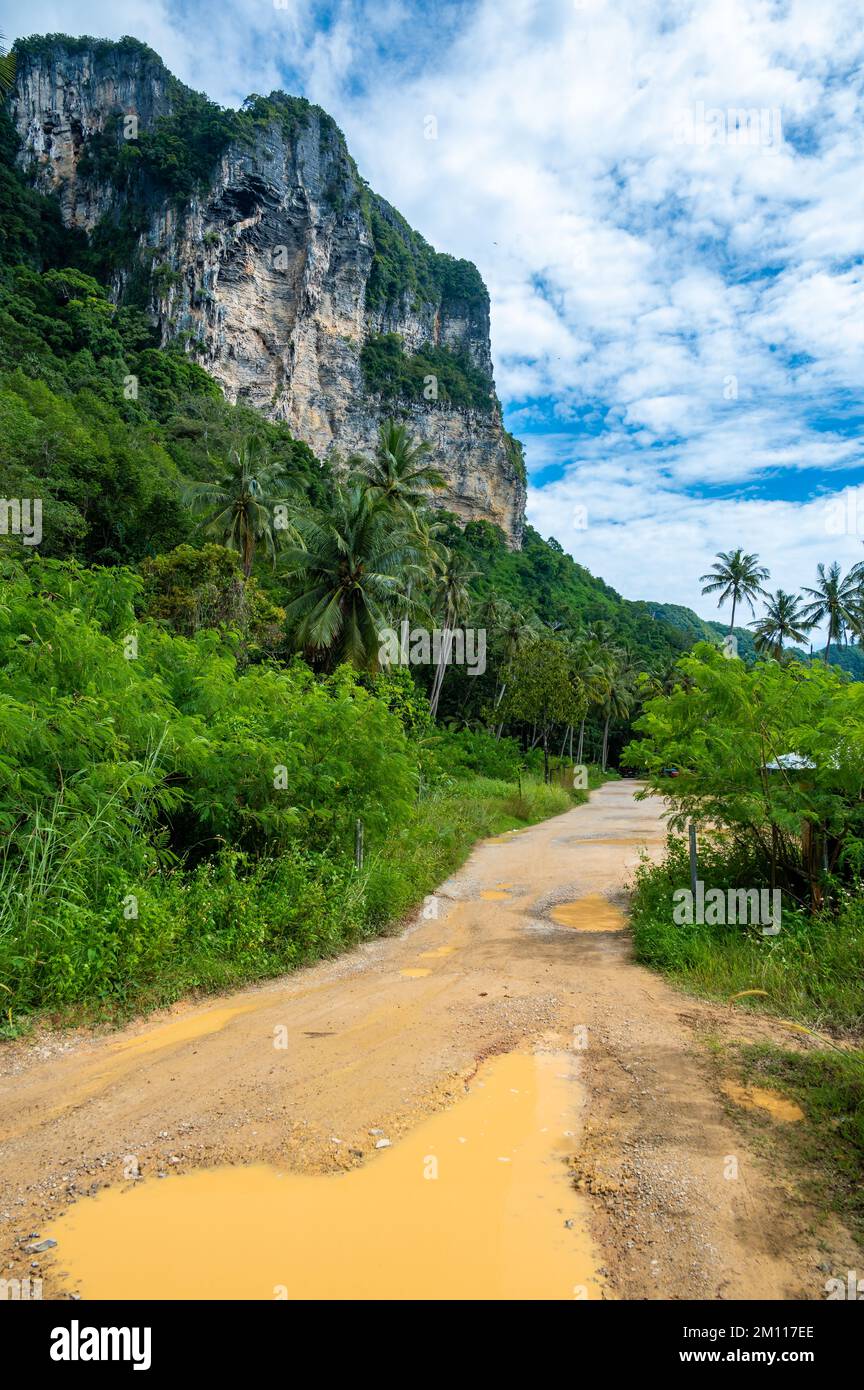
581,741
447,647
732,623
606,739
828,643
499,697
248,550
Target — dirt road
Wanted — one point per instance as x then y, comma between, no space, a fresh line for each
523,951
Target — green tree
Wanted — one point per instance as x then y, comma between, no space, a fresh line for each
539,689
737,576
618,681
192,588
772,755
836,599
239,507
349,577
513,633
400,472
7,68
783,621
452,593
591,657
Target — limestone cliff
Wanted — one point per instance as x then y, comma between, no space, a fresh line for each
253,241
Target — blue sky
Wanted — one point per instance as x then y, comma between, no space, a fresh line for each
665,202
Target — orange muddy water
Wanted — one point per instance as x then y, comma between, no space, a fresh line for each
475,1202
591,913
757,1098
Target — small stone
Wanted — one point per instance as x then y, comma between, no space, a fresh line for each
42,1245
382,1144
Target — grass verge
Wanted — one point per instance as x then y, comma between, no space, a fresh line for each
812,971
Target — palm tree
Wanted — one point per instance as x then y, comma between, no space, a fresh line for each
427,528
599,632
838,600
514,633
856,575
453,597
399,472
590,654
620,693
736,576
239,507
7,67
350,574
784,620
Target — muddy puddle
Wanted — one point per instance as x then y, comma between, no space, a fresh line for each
757,1098
591,913
473,1203
617,840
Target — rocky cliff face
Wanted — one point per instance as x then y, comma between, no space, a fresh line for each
274,267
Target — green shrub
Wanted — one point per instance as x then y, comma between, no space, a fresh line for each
812,971
390,372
